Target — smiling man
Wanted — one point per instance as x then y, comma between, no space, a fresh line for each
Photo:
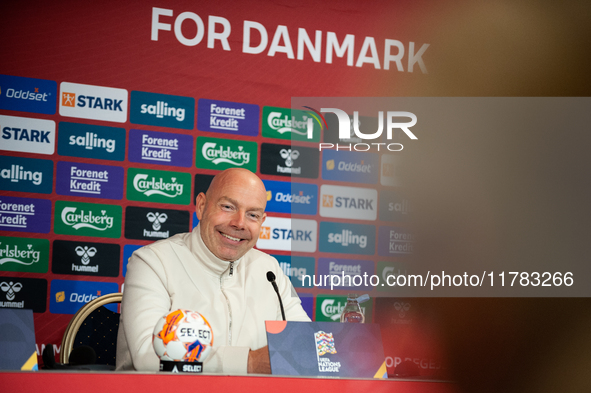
215,271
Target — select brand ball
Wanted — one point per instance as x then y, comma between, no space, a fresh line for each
182,336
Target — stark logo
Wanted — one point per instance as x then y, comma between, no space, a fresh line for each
265,233
327,201
157,219
10,288
68,99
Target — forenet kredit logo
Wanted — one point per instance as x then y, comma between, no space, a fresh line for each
393,122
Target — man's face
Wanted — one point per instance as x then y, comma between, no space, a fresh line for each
230,216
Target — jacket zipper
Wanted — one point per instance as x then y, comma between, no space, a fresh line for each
228,303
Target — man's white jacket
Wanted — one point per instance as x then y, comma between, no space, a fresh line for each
181,273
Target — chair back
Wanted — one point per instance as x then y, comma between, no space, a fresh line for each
95,326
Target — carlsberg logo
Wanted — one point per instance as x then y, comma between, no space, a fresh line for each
86,219
218,155
282,123
331,310
16,254
157,187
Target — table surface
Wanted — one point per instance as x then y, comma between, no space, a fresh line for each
126,382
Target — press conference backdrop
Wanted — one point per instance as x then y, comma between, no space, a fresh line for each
115,115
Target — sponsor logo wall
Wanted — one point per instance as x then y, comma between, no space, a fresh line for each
93,169
118,183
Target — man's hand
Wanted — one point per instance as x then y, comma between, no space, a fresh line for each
258,361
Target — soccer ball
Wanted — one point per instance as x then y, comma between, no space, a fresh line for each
183,336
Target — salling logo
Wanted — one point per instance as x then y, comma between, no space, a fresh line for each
394,206
93,102
11,288
13,253
157,187
347,237
401,207
282,123
162,109
157,219
18,173
294,272
86,219
218,155
91,140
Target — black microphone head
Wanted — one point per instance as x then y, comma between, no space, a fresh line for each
82,355
270,276
48,357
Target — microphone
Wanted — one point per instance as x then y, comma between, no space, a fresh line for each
271,279
82,355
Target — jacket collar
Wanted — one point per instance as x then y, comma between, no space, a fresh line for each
212,263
